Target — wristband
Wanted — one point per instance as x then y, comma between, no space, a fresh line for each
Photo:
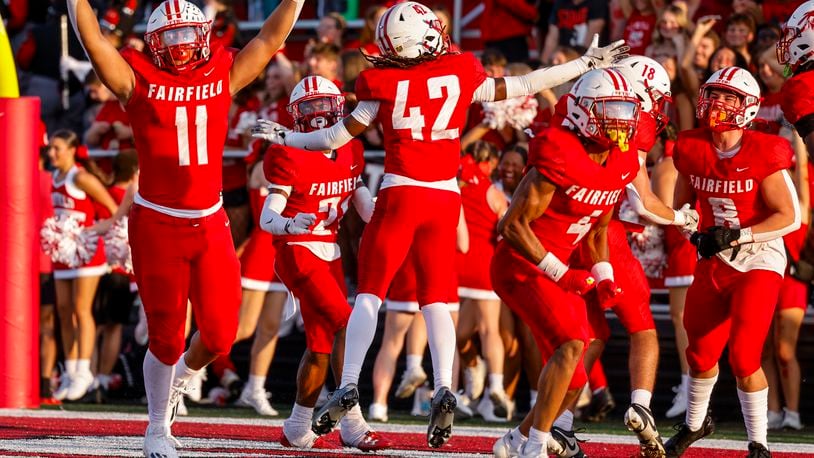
679,218
552,266
746,236
602,271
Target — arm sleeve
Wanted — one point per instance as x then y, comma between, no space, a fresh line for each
635,201
544,78
363,202
271,218
336,135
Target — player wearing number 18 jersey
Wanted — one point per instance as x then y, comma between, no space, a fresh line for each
420,93
177,98
747,203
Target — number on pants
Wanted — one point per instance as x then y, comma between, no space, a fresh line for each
415,120
724,212
335,207
582,226
182,131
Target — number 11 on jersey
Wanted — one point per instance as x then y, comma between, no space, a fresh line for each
182,130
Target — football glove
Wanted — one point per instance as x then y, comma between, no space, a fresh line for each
270,131
689,218
714,240
596,57
300,224
608,293
577,281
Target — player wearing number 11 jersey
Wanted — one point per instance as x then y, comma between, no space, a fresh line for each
747,202
420,93
178,98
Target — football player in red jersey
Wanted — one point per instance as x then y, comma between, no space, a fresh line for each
178,96
577,173
747,203
309,195
420,92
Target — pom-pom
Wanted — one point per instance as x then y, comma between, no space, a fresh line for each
117,246
517,112
65,240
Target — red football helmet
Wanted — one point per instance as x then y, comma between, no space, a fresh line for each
178,36
316,103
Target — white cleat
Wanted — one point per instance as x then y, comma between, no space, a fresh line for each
258,400
80,384
474,379
791,420
64,386
679,402
176,403
411,379
297,439
537,451
775,420
377,412
159,443
194,390
486,409
509,445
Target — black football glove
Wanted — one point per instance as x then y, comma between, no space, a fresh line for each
714,240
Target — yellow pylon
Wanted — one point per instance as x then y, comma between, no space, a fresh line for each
8,70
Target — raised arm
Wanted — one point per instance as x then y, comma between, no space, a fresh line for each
254,57
494,89
111,67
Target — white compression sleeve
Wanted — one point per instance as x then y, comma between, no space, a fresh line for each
544,78
485,92
363,202
334,136
635,200
271,219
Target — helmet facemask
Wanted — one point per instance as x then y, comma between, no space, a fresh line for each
180,48
611,121
317,112
719,115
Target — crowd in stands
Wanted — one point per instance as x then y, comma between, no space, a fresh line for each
691,39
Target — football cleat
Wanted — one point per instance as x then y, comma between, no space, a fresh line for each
194,390
306,441
442,413
639,420
410,380
341,401
371,441
684,437
509,445
565,444
80,384
258,400
500,403
159,443
758,450
601,405
176,400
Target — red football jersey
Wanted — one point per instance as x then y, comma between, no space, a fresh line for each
728,189
180,124
481,220
422,110
70,200
320,185
585,190
798,96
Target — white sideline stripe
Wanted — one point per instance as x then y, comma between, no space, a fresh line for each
481,431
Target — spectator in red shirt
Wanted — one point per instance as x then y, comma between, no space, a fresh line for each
111,126
641,21
506,25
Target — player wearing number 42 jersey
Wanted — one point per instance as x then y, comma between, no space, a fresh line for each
747,203
178,98
420,92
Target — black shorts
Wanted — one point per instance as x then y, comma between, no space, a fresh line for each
114,301
235,197
48,292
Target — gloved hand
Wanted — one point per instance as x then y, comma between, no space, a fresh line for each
300,224
596,57
688,218
270,131
608,293
714,240
577,281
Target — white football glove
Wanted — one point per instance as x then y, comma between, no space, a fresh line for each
300,224
688,221
270,131
596,57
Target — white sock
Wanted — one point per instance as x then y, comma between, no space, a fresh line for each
157,383
70,366
532,398
496,383
537,440
517,438
699,391
755,407
441,337
83,366
359,335
565,421
641,397
414,361
353,425
298,422
256,383
685,381
184,373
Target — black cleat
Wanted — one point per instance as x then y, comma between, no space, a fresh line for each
569,443
601,405
340,402
758,450
442,412
639,420
678,444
